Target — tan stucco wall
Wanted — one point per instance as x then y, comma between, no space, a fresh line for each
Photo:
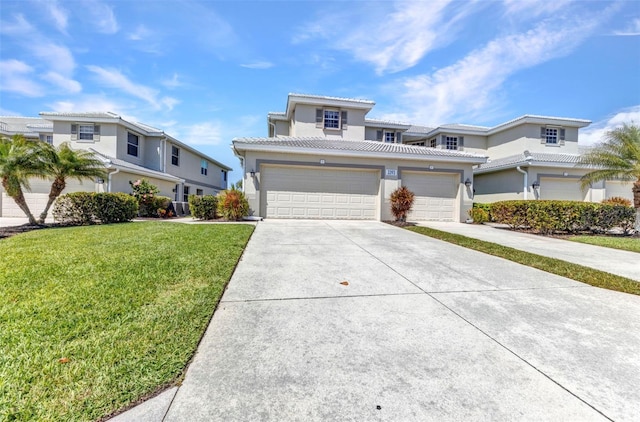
527,137
304,124
508,184
189,169
106,144
388,183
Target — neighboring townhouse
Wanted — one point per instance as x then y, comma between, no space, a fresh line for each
130,151
323,158
319,163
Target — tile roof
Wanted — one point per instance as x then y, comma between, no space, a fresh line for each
325,97
418,130
513,161
130,166
354,146
24,125
88,114
460,126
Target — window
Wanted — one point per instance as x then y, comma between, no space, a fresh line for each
551,135
199,192
418,144
331,119
49,139
451,142
85,132
389,137
185,194
224,175
433,143
175,155
132,144
204,166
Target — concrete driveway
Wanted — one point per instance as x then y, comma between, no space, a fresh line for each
423,331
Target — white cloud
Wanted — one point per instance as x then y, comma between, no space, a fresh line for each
258,65
18,27
172,83
533,8
140,33
595,132
15,76
115,79
69,85
206,133
58,14
93,102
631,30
470,87
101,17
56,57
390,36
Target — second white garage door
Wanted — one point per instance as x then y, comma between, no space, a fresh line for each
436,195
564,189
330,193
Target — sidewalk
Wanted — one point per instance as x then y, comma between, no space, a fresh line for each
614,261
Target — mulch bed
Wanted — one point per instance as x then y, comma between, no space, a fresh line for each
13,230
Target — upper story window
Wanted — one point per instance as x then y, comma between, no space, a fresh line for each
451,142
333,119
133,143
552,135
204,167
175,155
433,143
418,144
389,137
224,175
85,132
47,138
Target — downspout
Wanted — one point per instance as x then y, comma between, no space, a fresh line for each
525,182
109,181
163,155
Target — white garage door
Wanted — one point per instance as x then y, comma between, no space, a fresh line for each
39,195
435,198
616,188
565,189
330,193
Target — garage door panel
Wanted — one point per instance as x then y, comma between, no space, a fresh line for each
561,189
320,193
435,195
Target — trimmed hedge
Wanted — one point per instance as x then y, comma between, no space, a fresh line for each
484,207
563,216
81,208
203,207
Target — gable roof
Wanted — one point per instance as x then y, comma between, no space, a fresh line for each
527,158
315,145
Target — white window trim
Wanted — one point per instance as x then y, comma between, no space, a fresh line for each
137,146
385,134
324,118
177,155
447,140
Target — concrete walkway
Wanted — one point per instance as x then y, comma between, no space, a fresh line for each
614,261
337,320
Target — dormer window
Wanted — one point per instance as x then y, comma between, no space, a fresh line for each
433,143
332,119
85,132
451,142
552,135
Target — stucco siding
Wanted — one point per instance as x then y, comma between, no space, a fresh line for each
304,124
500,186
189,169
527,137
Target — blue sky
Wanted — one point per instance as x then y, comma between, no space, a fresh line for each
209,71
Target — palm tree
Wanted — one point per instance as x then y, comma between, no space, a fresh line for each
19,160
617,157
62,163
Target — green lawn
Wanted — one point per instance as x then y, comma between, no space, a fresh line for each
555,266
93,318
625,243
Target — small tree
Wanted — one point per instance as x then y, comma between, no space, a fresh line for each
617,157
232,204
62,163
145,192
401,203
19,160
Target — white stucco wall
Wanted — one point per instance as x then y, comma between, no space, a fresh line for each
527,137
303,124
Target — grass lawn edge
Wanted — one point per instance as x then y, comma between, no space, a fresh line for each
555,266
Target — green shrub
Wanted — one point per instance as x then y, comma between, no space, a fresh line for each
563,216
401,203
145,194
232,204
81,208
76,208
486,208
479,215
203,207
115,207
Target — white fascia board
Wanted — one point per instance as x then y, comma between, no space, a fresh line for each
529,164
379,124
539,120
327,102
359,154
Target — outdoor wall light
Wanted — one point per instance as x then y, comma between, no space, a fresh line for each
467,183
565,174
535,185
253,173
430,167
